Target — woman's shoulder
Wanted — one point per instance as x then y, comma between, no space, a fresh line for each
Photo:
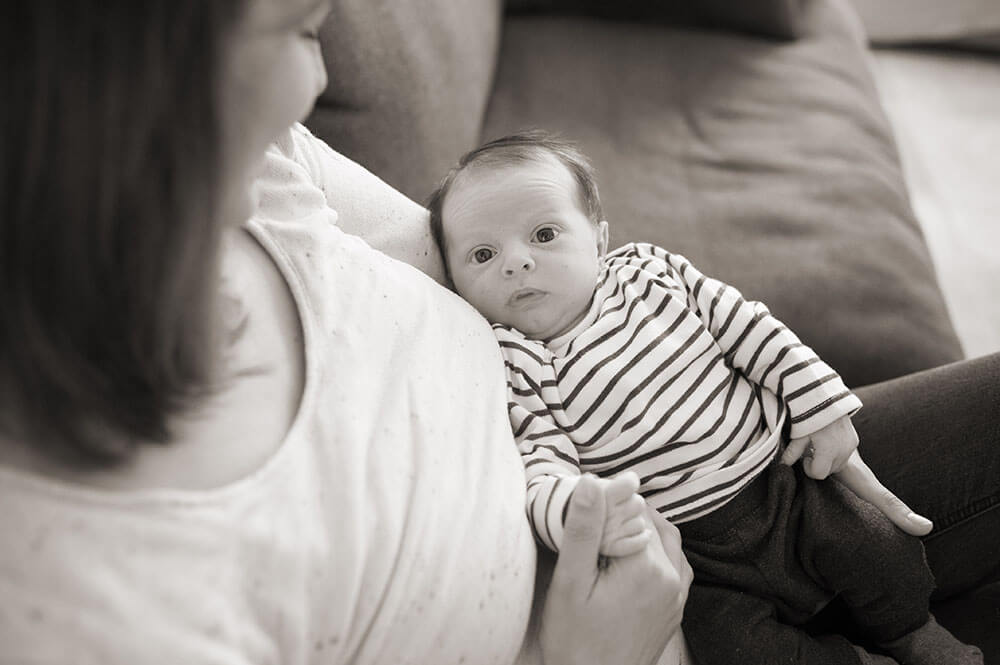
365,205
337,231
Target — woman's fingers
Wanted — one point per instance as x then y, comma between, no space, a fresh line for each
669,540
860,479
582,533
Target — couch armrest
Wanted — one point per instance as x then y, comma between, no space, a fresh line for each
972,23
780,19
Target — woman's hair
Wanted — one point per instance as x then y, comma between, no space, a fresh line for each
110,230
522,147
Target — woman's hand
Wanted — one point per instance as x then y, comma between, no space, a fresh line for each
860,479
624,613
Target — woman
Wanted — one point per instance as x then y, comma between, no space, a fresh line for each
203,455
224,441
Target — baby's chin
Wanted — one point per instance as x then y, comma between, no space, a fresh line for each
527,329
542,332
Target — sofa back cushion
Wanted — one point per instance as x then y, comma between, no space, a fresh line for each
769,164
770,18
408,84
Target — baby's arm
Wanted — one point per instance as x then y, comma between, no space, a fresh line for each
625,531
551,463
772,356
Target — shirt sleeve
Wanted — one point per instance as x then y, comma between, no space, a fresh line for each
763,348
551,463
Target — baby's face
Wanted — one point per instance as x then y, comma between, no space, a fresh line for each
519,247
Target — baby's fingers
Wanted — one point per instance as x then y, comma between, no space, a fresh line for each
625,529
633,506
627,545
633,527
819,464
795,450
620,488
626,534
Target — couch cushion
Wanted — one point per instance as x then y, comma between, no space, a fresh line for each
769,164
771,18
408,84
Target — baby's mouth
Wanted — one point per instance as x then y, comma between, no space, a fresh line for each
525,297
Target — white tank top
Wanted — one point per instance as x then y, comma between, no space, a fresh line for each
387,528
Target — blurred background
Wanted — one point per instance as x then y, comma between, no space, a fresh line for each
937,67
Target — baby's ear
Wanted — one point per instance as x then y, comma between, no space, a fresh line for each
602,239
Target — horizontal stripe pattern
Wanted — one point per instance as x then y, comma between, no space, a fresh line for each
676,377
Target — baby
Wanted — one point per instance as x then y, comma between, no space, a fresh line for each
634,366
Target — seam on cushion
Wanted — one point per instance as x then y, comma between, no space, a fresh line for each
966,514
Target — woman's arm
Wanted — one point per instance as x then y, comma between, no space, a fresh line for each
368,207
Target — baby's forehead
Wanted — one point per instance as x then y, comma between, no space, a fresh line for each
489,170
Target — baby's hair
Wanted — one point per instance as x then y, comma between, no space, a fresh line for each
522,147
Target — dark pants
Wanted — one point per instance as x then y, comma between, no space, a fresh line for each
775,555
933,438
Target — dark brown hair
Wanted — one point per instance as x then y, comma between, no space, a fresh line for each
525,146
110,232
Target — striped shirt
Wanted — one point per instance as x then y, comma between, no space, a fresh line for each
670,374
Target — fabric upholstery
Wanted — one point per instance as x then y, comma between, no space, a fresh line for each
770,165
770,18
408,82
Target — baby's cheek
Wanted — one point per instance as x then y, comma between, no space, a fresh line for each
462,284
482,294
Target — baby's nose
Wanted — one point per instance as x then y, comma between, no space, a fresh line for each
518,264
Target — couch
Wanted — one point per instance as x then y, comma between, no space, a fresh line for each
747,136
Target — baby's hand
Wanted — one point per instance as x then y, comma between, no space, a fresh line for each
825,451
625,528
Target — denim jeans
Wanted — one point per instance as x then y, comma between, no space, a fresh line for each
933,438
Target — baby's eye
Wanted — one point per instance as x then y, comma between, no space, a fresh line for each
482,255
311,34
546,234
